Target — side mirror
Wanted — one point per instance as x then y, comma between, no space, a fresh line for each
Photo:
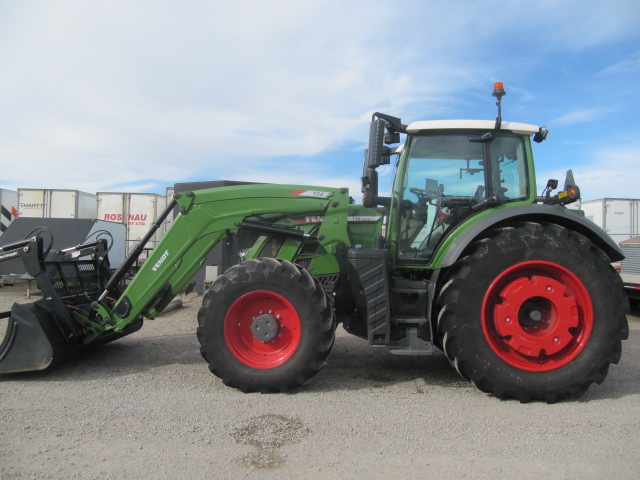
370,190
384,130
552,184
377,154
541,135
369,181
391,137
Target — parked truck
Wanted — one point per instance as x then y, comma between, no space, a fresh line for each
630,267
619,217
137,211
56,203
516,290
8,208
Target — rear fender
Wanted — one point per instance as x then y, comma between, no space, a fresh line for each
461,238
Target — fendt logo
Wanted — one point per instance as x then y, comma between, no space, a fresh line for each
309,219
159,262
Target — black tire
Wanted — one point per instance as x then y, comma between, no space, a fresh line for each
266,325
533,312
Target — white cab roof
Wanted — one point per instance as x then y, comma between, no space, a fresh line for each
521,128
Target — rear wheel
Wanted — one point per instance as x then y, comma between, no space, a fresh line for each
265,325
534,313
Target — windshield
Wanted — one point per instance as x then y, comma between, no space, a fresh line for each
446,175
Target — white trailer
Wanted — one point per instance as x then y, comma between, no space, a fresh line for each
8,208
137,211
52,203
619,217
170,191
630,267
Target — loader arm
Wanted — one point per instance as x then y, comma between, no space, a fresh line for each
206,218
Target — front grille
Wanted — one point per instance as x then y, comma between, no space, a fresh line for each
310,248
304,262
73,278
328,282
273,246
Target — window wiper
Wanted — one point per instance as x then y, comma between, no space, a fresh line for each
487,137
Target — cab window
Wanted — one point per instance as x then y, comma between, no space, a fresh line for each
445,176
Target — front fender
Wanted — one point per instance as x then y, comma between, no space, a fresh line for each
460,238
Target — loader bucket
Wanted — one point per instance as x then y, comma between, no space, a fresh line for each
30,341
33,340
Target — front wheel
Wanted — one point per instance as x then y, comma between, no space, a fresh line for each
265,325
534,312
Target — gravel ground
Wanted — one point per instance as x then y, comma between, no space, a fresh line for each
146,406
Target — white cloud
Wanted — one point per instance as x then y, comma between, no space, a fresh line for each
631,64
612,171
579,24
120,94
579,116
113,92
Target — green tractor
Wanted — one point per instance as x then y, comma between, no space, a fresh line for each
514,288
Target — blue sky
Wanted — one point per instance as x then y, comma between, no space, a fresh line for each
135,96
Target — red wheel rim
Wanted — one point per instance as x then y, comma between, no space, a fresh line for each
240,338
537,316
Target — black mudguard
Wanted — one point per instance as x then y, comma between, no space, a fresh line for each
534,213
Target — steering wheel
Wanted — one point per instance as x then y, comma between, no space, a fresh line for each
426,197
421,194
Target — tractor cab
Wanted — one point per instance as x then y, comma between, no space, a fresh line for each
451,170
447,171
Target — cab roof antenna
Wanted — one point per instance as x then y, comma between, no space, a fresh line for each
498,92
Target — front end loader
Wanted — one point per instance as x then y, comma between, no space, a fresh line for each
85,303
463,255
50,330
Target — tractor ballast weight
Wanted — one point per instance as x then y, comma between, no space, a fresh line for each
463,255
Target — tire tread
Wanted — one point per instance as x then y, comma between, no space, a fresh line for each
451,327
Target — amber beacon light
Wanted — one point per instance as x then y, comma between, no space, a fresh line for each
498,92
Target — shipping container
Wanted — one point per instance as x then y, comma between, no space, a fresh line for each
8,208
51,203
619,217
137,211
